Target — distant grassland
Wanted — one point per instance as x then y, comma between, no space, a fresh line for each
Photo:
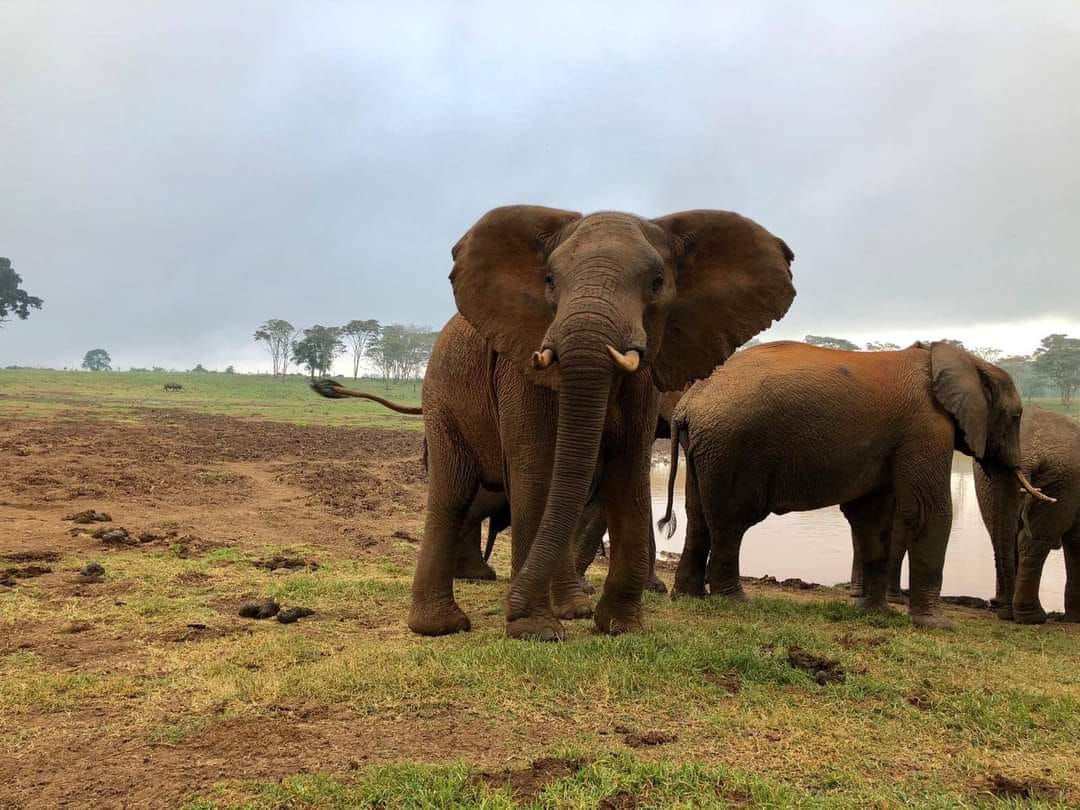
36,393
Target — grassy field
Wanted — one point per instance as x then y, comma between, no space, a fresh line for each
27,393
146,688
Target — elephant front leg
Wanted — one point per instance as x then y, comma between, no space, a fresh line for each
568,597
926,555
453,481
625,492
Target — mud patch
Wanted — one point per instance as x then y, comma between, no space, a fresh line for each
730,682
281,561
1004,787
31,556
623,800
852,642
644,739
967,601
526,784
90,516
823,670
9,575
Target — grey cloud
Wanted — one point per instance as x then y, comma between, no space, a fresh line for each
174,174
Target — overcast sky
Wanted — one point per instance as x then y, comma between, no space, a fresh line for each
174,173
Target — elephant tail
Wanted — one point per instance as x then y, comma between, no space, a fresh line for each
332,389
493,530
668,523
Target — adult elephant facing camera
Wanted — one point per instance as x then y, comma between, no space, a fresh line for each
787,427
568,322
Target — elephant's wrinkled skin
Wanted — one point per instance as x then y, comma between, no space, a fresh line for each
788,427
1024,528
567,327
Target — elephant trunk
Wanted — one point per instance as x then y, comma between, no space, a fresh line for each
586,373
1004,525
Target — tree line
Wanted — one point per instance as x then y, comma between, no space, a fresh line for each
1052,368
399,351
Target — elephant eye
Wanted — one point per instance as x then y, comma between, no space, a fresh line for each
550,281
657,283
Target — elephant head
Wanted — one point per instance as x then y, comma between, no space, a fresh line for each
574,302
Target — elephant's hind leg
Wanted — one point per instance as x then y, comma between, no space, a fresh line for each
1071,546
453,481
690,573
871,519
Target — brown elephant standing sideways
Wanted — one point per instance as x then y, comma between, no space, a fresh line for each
569,324
1050,457
788,427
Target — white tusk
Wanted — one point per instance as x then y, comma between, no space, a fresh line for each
543,359
628,362
1033,490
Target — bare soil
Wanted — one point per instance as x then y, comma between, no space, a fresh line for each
190,483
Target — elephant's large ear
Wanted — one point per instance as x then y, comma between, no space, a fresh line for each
733,279
498,280
959,386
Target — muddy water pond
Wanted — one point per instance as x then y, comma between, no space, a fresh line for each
816,546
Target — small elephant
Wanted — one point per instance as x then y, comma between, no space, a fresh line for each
1026,528
789,427
173,387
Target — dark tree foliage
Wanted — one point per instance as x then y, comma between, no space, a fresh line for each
318,348
1058,361
881,346
401,351
97,360
13,299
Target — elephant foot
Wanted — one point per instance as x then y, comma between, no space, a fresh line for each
617,618
477,570
897,597
1072,616
869,605
734,594
1029,615
855,591
428,620
934,621
535,628
577,607
685,588
1004,612
656,585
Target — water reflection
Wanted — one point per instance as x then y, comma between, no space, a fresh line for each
816,546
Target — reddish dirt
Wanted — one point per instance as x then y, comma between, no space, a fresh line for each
191,483
525,784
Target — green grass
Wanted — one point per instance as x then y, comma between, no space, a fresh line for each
120,395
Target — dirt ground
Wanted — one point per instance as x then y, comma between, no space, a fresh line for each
140,685
190,483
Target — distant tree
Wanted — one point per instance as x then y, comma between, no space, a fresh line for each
158,369
876,346
831,343
957,343
318,348
230,370
401,351
359,335
1058,361
199,368
14,299
987,353
97,360
278,336
1024,374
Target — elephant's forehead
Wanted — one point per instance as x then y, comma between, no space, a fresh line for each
608,230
